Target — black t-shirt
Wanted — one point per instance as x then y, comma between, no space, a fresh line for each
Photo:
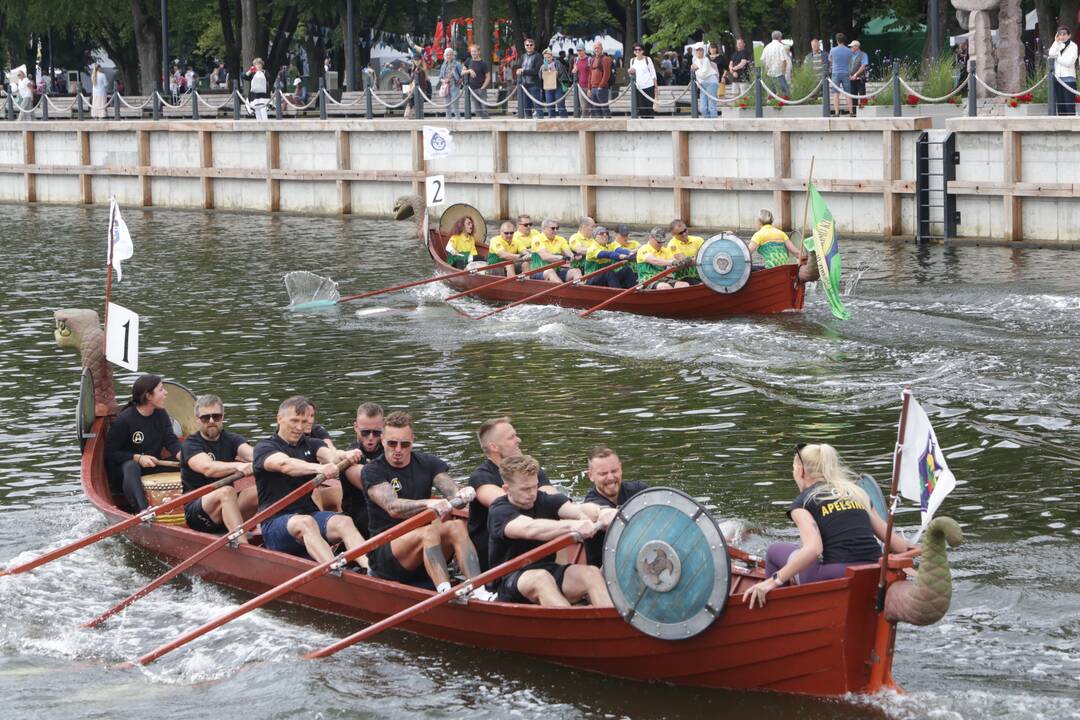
352,497
481,69
318,431
846,533
737,57
273,486
594,546
133,433
412,482
487,473
503,512
223,449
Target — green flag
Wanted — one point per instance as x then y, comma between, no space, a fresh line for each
823,242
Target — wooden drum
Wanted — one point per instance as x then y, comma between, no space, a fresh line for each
162,487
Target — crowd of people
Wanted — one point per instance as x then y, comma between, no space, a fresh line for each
380,479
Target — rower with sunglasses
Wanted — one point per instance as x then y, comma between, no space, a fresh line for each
208,455
685,247
399,485
550,247
836,521
368,426
506,246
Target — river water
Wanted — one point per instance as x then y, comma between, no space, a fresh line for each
987,336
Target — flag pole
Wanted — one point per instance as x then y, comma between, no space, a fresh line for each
109,270
806,211
892,497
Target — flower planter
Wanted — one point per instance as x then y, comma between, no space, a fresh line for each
767,111
1026,110
933,110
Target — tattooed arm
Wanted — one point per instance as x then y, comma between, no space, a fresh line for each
398,508
446,485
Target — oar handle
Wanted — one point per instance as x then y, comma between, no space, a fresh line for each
425,281
168,463
520,276
495,573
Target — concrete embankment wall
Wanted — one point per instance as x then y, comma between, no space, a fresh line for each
715,174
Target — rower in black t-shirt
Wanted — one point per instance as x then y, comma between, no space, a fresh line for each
328,495
498,440
208,455
368,426
398,486
524,519
137,439
608,491
285,461
837,525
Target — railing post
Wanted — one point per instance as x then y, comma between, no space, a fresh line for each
577,97
45,103
369,107
973,100
826,92
78,104
1051,90
521,101
897,108
418,102
115,103
194,104
322,98
758,112
695,97
156,105
235,99
9,107
277,104
633,98
467,91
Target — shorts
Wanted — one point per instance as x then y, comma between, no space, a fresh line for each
843,81
276,535
198,520
507,587
384,565
560,271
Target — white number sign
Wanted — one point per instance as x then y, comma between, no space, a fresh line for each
435,189
122,338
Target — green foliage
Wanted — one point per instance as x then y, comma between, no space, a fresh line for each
1040,94
938,79
803,81
908,72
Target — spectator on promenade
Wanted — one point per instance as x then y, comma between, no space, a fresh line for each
600,80
840,67
174,85
777,63
643,71
477,78
191,79
99,87
716,54
219,78
1063,53
860,66
817,58
418,79
667,69
529,78
739,67
961,62
554,78
708,80
258,88
300,94
25,89
450,83
581,72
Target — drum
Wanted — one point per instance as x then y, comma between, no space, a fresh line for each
162,487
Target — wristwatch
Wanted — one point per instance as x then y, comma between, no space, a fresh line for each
776,577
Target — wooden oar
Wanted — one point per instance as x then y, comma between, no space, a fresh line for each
314,573
168,464
217,544
551,546
552,289
520,276
613,298
145,516
406,286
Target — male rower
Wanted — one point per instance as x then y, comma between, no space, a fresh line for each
285,461
526,233
549,247
770,242
368,427
608,492
652,259
505,246
523,520
603,251
685,247
398,486
328,495
579,241
208,455
499,440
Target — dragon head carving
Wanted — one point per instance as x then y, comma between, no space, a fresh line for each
80,329
407,206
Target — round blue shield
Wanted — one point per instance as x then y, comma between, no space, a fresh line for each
723,263
666,564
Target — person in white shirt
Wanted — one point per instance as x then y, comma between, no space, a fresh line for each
26,97
1063,53
777,62
99,86
644,72
708,79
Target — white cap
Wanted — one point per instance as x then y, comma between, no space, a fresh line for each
296,81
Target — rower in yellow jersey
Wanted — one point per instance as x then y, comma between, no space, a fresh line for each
653,257
685,247
526,234
770,242
627,274
602,252
461,248
504,247
551,247
579,241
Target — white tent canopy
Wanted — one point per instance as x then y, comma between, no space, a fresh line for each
560,42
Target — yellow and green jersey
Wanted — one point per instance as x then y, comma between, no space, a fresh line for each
643,268
579,244
688,249
771,245
500,244
460,246
554,246
593,261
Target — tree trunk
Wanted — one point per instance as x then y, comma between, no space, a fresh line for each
630,37
1047,12
733,18
147,29
1067,18
249,32
806,24
1010,49
228,33
279,52
481,12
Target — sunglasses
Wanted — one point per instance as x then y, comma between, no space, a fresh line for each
681,232
525,224
508,232
639,49
554,227
403,444
215,417
798,451
369,433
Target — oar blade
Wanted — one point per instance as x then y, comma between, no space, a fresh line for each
308,290
312,305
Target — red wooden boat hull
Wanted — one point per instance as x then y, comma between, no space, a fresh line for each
767,291
815,639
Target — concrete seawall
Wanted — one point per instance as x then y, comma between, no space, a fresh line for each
1012,182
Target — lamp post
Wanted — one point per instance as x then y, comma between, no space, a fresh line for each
640,23
164,44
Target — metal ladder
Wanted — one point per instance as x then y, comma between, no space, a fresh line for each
936,159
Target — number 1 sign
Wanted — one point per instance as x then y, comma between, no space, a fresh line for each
122,338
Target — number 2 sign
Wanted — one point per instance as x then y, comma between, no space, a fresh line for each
436,190
122,338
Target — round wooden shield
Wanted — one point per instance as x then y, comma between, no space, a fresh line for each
180,404
85,409
723,263
666,564
455,212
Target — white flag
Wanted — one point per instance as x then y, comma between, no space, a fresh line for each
120,247
437,142
925,477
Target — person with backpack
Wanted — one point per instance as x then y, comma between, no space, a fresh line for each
1063,53
644,73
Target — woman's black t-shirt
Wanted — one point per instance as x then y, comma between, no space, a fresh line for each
844,524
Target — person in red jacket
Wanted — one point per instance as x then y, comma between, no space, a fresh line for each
600,80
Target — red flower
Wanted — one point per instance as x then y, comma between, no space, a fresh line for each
954,100
1013,102
912,100
742,106
863,102
779,104
1026,98
786,97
